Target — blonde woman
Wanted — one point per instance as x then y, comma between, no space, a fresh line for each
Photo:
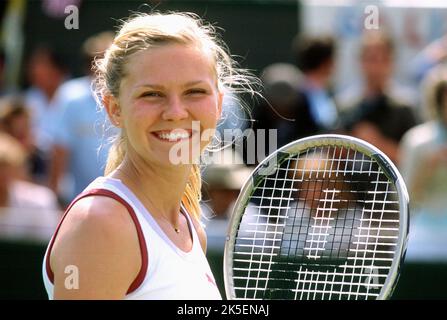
135,233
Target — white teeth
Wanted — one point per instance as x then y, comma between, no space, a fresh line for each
173,136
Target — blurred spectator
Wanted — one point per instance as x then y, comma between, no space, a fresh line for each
373,109
15,119
424,168
80,148
316,111
46,72
27,210
223,179
429,89
298,102
424,152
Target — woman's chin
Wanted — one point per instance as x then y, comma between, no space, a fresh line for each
177,157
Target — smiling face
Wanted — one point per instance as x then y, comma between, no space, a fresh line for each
164,91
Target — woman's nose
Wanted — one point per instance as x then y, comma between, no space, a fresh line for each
175,110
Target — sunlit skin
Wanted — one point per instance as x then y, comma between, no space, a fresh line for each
159,95
164,89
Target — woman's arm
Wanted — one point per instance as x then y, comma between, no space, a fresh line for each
98,240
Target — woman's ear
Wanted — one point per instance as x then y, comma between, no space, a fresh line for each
113,110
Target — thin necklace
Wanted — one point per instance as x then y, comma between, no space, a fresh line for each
176,229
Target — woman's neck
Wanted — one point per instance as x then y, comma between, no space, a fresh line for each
159,188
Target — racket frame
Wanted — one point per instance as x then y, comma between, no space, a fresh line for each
269,165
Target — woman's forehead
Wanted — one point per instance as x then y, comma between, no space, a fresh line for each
170,63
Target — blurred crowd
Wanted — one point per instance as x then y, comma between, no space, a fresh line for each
408,123
54,138
53,143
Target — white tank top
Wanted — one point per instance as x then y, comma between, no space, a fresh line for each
167,272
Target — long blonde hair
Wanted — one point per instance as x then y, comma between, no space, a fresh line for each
144,31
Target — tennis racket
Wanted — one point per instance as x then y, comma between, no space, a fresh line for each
324,217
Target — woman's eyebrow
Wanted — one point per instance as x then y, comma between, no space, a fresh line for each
159,87
149,85
193,83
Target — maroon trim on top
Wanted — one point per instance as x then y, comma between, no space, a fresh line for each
143,249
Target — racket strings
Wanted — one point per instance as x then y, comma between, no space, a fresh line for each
323,226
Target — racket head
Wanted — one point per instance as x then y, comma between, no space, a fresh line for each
268,167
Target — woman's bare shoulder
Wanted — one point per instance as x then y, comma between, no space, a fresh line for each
94,211
99,237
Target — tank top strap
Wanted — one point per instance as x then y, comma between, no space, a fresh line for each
192,228
88,192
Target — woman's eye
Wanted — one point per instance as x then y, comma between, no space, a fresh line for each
196,91
152,94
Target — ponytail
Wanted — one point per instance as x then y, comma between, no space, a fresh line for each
116,154
192,195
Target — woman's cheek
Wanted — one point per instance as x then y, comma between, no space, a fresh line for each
208,114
